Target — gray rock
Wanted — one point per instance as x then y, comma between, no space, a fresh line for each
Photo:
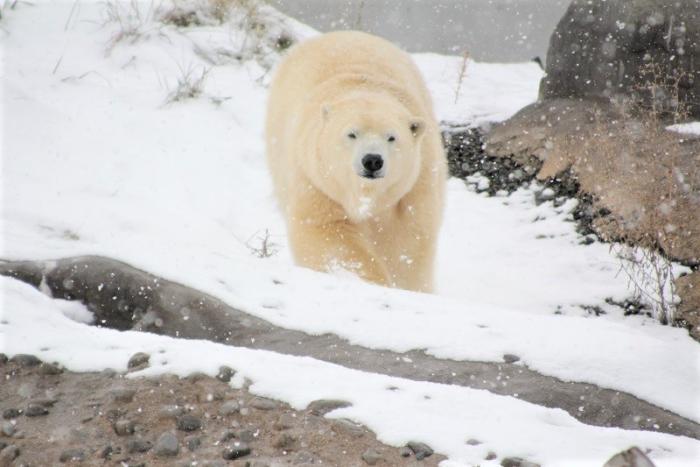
50,369
421,450
371,456
236,451
11,413
510,358
632,457
25,360
188,422
405,451
124,427
124,395
609,48
138,445
229,407
3,359
8,428
225,374
262,403
473,442
167,445
193,442
35,410
138,360
323,406
343,425
72,455
8,454
491,456
517,462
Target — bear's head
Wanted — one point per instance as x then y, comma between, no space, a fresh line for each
369,153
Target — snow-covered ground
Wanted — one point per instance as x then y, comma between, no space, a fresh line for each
96,160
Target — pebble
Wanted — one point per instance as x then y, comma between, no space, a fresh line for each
50,369
124,427
138,445
167,445
171,411
517,462
35,410
106,452
8,428
124,395
229,407
343,425
285,442
193,442
236,451
490,456
225,374
188,422
11,413
71,455
510,358
26,360
323,406
405,452
138,360
262,403
421,450
8,454
371,456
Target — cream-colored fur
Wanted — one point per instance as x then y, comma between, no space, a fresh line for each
384,229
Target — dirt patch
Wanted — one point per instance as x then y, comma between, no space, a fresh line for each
51,416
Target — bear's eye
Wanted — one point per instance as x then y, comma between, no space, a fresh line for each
391,139
352,135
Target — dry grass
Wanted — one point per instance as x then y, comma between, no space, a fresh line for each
462,74
190,84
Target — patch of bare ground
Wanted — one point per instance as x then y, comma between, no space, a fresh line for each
54,417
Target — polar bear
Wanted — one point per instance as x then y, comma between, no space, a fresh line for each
356,159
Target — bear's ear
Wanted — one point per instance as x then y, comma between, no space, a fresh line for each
417,126
325,112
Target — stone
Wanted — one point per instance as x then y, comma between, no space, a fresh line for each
421,450
138,361
510,358
35,410
106,452
193,442
490,456
167,445
225,374
171,411
632,457
124,427
323,406
8,429
50,369
517,462
72,455
229,407
405,451
8,454
123,395
262,403
236,451
473,442
25,360
343,425
138,445
371,456
11,413
188,422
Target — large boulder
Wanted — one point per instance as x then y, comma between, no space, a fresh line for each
648,49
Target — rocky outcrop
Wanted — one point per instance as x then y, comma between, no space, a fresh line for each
647,49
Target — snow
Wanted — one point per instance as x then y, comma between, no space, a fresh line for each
690,128
398,410
97,160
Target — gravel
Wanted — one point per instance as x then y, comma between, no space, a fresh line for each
123,395
167,445
236,451
188,422
72,455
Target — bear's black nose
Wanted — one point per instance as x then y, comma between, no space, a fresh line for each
372,163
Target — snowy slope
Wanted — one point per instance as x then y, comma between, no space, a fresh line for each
97,161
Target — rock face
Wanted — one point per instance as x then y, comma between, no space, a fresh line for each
612,48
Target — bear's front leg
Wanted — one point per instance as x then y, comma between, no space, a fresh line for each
335,245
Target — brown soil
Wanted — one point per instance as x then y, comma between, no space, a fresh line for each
84,411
